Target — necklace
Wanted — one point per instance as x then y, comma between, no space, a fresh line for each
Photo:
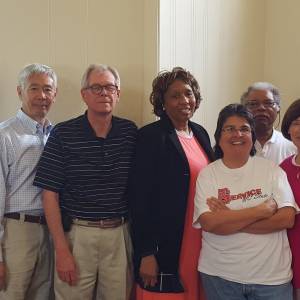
185,133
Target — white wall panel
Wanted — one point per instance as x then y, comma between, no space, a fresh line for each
220,42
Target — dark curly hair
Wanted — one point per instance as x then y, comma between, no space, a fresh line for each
292,113
230,110
162,82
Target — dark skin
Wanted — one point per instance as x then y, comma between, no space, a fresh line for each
264,117
179,103
149,270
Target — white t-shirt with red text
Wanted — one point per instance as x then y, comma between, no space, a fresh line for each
244,257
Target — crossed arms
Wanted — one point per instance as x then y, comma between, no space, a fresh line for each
261,219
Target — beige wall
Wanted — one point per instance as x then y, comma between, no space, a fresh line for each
226,44
69,35
229,44
235,53
220,42
282,53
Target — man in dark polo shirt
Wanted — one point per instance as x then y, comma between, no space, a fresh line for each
84,172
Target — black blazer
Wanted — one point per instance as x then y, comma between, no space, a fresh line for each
159,190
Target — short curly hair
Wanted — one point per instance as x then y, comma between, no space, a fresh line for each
292,113
162,82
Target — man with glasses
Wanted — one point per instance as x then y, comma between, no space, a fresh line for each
24,252
262,99
84,172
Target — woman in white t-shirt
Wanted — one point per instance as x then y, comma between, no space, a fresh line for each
244,205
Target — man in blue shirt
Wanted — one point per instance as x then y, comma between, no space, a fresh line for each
24,251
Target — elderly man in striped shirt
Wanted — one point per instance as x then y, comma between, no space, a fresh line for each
24,252
84,172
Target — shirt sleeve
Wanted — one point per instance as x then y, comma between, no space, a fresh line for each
6,152
204,190
50,173
281,190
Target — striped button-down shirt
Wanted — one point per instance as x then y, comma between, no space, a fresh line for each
22,141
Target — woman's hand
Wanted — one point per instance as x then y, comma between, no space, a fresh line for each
215,204
149,270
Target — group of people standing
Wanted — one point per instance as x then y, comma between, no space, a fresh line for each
100,186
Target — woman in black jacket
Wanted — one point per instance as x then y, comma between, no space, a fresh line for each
170,154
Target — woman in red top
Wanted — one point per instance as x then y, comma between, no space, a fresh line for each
291,130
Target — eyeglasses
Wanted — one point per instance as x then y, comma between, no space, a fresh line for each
255,104
244,130
97,89
47,90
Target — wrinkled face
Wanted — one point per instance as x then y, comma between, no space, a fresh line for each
179,101
261,104
236,137
37,96
294,131
102,94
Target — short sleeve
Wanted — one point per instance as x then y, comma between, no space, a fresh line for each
281,190
50,173
204,190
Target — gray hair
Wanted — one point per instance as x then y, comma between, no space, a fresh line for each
35,68
100,69
262,86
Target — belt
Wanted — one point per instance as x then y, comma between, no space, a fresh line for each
103,223
26,218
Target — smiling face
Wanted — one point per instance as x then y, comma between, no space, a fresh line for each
37,96
179,102
294,131
105,101
236,139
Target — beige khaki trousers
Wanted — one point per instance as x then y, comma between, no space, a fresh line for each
103,259
25,249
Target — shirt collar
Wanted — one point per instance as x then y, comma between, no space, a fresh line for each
271,140
89,131
294,160
33,125
273,137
